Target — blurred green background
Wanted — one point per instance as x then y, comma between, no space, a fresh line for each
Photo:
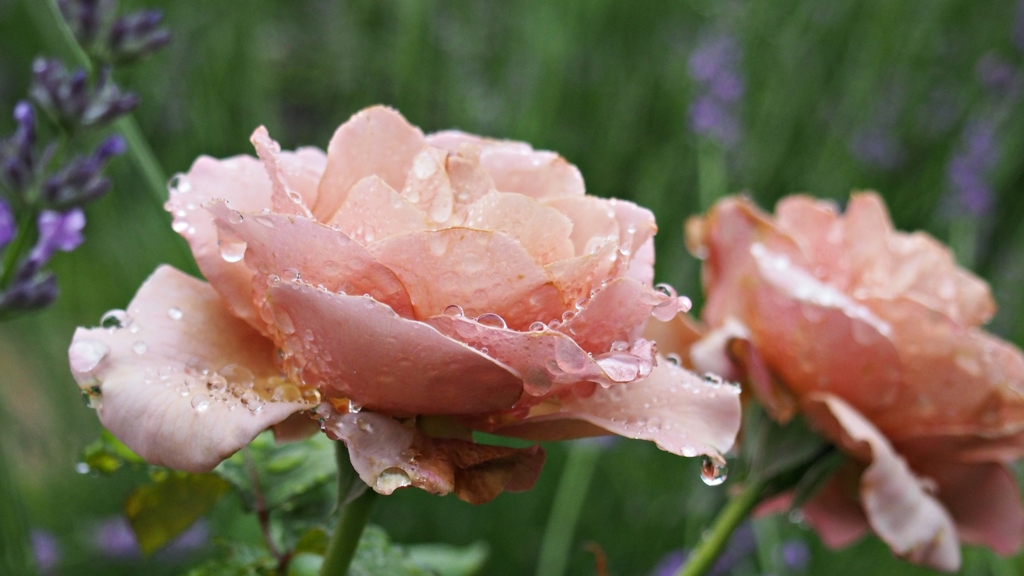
919,100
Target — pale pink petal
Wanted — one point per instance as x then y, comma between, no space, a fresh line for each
376,141
302,171
677,336
899,505
542,230
517,167
641,266
578,276
636,228
481,271
983,499
243,182
358,348
469,180
834,512
711,353
428,187
388,456
546,360
374,211
616,313
286,200
679,411
293,246
593,221
816,227
156,378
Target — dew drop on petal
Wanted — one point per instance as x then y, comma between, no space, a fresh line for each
291,275
200,402
619,346
666,289
217,384
353,407
139,347
713,472
492,320
179,184
232,250
454,311
364,424
537,327
674,359
175,313
235,217
392,479
114,320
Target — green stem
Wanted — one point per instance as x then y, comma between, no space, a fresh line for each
712,175
138,147
566,508
352,519
715,539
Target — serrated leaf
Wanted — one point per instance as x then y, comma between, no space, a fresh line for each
447,560
160,511
285,471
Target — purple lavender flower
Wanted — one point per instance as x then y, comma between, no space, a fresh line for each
969,170
714,66
796,555
877,147
46,551
67,97
110,39
114,538
17,153
82,180
741,545
57,231
7,226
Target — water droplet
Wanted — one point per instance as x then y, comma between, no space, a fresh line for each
200,402
175,313
537,327
674,359
291,275
453,311
364,424
492,320
235,217
251,400
114,320
689,451
568,315
713,379
134,327
619,346
180,226
232,250
392,479
424,166
139,347
713,472
311,396
283,321
85,354
353,407
666,289
196,366
179,184
582,303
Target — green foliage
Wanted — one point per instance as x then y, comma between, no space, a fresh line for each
160,511
107,454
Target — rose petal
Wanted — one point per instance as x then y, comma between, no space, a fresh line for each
681,412
983,499
834,512
285,199
428,187
546,360
676,337
517,167
240,180
388,456
482,271
302,171
374,211
358,348
593,221
641,266
636,227
579,276
179,327
816,227
289,246
470,181
616,313
711,353
543,231
376,141
896,502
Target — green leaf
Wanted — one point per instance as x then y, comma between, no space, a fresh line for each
816,475
447,560
284,471
771,449
377,555
160,511
313,541
107,454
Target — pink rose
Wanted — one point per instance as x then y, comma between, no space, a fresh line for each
874,336
405,289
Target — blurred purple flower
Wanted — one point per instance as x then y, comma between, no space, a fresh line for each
796,555
670,563
46,551
7,226
57,231
714,64
741,545
877,147
114,538
969,170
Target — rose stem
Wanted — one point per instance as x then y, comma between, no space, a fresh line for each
714,540
352,519
566,508
138,147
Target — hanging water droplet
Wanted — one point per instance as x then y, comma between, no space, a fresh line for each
175,313
200,403
114,320
713,472
454,311
392,479
674,359
232,250
689,451
139,347
492,320
85,354
537,327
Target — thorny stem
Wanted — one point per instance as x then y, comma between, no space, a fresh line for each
715,539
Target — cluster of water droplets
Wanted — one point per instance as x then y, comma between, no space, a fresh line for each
178,185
